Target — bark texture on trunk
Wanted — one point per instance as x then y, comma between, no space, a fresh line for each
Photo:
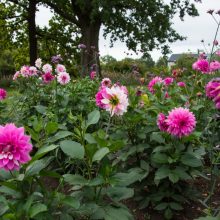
32,31
90,38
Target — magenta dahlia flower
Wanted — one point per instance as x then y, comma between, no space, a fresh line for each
167,81
106,82
217,100
99,97
201,65
15,147
214,66
181,84
93,75
213,88
181,122
3,94
153,82
47,77
63,78
161,122
113,100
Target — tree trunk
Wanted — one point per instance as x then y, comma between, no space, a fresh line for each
32,31
90,55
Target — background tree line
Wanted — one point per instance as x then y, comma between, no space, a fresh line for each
142,24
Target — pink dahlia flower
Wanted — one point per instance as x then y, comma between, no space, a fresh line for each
214,66
161,122
60,68
99,97
25,71
217,100
38,63
93,75
106,82
16,75
48,77
63,78
15,147
32,71
167,96
153,82
124,89
217,52
201,65
181,122
167,81
47,68
3,94
181,84
213,88
114,100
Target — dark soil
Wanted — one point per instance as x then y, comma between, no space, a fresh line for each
191,211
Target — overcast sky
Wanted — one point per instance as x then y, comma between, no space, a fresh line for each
195,29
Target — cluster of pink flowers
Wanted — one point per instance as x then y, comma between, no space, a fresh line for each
179,122
15,147
113,99
26,71
205,67
46,71
3,94
213,91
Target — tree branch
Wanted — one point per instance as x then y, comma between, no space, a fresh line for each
62,13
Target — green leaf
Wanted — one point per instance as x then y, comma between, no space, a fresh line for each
161,206
100,154
159,158
51,127
72,149
36,209
36,166
173,177
168,213
120,193
175,206
157,137
41,109
133,175
90,139
59,135
114,213
11,192
65,216
208,218
44,150
190,160
93,118
75,179
71,201
162,173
